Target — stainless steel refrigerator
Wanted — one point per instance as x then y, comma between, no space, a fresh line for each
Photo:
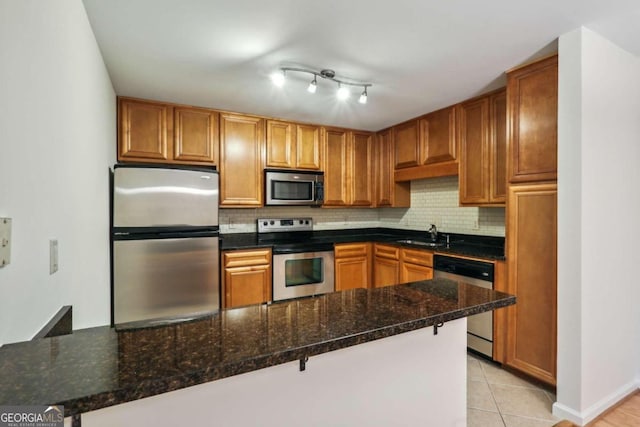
165,244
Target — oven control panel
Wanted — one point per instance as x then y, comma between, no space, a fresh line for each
275,225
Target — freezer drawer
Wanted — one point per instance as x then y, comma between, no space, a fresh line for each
165,278
161,197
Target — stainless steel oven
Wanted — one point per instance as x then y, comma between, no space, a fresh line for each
302,265
302,274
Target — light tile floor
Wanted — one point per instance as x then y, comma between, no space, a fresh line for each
497,398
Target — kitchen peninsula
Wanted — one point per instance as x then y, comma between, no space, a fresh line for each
379,343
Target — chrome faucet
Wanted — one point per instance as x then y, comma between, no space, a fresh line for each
434,232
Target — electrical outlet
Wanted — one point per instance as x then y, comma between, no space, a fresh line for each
53,256
232,223
476,224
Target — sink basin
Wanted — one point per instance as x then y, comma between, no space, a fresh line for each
420,243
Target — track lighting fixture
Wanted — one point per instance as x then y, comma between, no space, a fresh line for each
278,78
363,97
342,93
313,85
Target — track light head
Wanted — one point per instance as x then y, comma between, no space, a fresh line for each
278,78
363,96
343,92
313,85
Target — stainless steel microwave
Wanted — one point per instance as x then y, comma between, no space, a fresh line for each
293,188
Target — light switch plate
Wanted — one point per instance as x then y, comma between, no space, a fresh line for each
53,256
5,241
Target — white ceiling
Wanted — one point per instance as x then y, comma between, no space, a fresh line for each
420,55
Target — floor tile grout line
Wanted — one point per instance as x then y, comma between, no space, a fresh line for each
495,402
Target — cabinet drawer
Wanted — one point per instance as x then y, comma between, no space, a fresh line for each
418,257
351,250
387,251
246,258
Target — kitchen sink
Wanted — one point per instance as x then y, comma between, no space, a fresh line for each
421,243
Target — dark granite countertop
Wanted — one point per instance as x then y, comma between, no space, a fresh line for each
99,367
487,247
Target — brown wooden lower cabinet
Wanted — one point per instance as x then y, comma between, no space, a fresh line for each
386,265
352,265
246,278
415,265
532,269
500,315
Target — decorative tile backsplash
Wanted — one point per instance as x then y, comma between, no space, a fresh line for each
433,201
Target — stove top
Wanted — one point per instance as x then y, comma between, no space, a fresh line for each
290,235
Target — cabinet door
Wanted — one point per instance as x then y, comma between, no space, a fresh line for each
498,147
143,131
247,277
407,144
241,160
383,170
352,265
532,274
335,169
414,273
386,272
532,105
195,136
386,265
500,317
308,147
247,285
388,193
280,144
473,130
352,273
361,169
439,136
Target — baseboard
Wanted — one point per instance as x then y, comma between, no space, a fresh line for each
564,412
589,414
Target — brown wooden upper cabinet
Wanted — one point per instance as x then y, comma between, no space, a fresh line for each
158,132
293,146
482,135
348,165
335,168
532,107
388,193
407,144
438,130
426,147
241,160
361,168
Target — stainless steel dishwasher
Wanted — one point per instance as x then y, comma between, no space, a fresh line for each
478,273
